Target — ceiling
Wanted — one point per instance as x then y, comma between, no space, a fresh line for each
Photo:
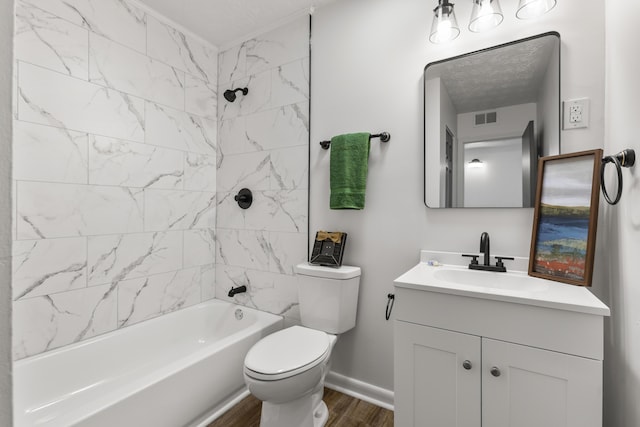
495,78
224,21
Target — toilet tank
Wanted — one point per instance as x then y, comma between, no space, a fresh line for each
328,297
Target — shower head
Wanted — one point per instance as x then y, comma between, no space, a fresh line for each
230,95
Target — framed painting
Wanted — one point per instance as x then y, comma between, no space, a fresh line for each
565,217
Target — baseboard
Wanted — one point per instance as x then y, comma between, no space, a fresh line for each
220,409
352,387
360,390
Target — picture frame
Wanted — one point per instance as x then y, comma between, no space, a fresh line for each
328,248
565,217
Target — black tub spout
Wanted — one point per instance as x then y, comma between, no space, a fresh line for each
233,291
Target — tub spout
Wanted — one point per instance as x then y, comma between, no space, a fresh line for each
238,290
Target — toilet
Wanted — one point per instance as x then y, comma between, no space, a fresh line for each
286,369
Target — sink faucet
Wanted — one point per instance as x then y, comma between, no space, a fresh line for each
484,247
485,251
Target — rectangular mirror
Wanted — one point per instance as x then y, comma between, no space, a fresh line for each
488,116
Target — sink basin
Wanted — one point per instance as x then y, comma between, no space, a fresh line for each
451,276
488,279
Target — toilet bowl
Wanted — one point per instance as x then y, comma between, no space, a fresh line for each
286,370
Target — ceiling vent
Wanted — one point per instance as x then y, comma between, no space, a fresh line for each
486,118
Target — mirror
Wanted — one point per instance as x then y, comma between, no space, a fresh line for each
489,115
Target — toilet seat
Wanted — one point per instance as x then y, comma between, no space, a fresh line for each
286,353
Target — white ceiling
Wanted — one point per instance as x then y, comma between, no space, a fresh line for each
224,21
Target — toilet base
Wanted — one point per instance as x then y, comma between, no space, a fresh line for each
308,411
320,415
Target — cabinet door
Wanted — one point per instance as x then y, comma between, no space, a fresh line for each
534,387
434,387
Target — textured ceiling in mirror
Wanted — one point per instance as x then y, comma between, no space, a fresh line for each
507,75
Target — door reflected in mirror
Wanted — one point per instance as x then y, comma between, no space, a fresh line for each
489,116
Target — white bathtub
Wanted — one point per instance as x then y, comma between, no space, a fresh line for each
172,371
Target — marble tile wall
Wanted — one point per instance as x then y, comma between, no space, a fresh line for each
115,153
264,146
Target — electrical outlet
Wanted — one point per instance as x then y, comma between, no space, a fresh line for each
576,113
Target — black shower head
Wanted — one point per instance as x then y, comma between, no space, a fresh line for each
230,95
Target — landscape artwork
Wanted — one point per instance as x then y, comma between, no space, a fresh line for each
563,247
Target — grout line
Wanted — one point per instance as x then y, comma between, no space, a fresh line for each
16,89
180,190
98,285
89,60
161,147
103,86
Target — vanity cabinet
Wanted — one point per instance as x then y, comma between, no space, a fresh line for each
432,386
449,378
468,359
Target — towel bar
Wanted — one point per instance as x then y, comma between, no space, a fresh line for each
384,137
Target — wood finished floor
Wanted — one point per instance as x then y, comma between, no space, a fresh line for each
344,411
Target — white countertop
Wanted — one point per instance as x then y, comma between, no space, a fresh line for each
513,286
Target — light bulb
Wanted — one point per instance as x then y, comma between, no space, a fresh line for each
444,30
528,9
445,26
486,9
486,15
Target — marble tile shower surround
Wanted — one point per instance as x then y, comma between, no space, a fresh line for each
264,145
115,157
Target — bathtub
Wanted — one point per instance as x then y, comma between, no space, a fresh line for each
176,370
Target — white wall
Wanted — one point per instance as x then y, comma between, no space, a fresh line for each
367,62
264,146
499,181
622,222
511,122
6,66
114,165
433,176
547,113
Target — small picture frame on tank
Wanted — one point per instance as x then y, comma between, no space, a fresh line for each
328,248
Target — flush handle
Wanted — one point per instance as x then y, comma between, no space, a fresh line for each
467,365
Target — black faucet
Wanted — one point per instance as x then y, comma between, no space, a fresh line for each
238,290
485,250
484,247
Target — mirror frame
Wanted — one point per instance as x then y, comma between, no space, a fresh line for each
476,52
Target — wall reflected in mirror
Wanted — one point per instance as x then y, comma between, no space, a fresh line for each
489,116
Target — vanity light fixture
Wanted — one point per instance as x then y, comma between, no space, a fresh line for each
486,14
445,26
476,164
528,9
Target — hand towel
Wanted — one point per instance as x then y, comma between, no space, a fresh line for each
348,170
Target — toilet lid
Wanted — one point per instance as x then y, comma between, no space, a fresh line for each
287,350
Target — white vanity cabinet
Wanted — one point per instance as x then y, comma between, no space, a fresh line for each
432,387
471,358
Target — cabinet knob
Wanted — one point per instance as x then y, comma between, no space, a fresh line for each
495,372
466,365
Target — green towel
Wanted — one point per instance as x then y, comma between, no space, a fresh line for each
348,170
